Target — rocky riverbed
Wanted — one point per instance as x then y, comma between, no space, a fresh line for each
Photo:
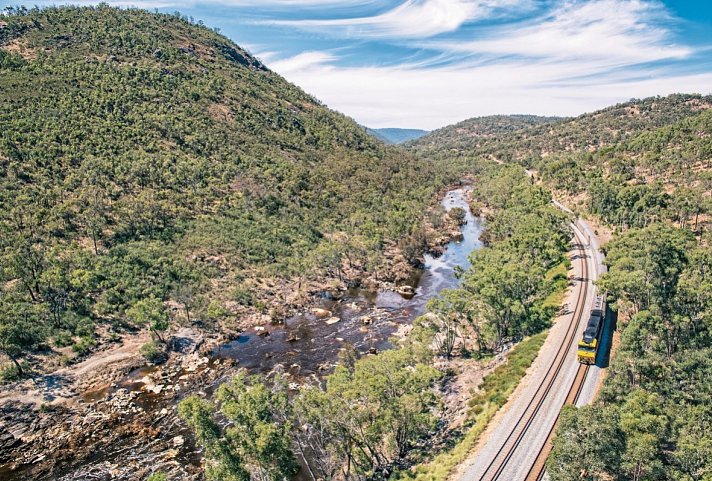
117,419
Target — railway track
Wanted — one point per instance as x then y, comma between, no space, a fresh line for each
506,451
536,472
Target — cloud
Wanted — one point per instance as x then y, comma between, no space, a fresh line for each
411,19
431,98
304,62
576,57
619,32
184,4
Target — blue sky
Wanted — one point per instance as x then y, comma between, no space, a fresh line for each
429,63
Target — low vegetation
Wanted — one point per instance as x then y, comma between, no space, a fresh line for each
655,413
145,159
377,413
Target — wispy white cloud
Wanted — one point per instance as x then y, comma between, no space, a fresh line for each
182,4
304,62
431,98
618,32
412,18
578,56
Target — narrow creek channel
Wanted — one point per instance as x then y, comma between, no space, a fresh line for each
305,347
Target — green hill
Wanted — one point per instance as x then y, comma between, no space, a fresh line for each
631,163
474,132
145,156
528,140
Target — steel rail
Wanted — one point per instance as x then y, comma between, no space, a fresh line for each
546,384
537,470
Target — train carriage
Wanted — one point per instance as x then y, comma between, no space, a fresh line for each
588,345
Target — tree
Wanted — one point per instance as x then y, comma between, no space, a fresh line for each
93,212
150,312
587,446
446,319
508,286
320,435
383,407
185,295
645,265
25,260
256,445
693,300
23,325
692,457
645,429
260,426
223,463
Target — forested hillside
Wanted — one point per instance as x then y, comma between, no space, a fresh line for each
642,170
662,173
146,161
654,416
631,164
537,137
472,133
654,188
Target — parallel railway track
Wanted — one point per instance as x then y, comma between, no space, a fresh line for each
536,472
504,454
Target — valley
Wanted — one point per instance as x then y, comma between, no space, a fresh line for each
207,274
142,403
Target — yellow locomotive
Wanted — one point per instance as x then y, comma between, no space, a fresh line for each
588,345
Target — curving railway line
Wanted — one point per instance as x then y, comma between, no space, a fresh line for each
513,441
518,447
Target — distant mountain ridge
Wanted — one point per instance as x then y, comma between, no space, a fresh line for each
462,134
397,136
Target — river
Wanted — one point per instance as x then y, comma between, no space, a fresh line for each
304,348
307,344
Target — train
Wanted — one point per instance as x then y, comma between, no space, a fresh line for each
591,339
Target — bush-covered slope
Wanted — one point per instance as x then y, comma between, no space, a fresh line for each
591,131
631,164
662,173
145,156
477,131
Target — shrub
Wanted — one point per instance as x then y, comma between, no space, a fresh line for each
436,217
413,246
243,296
63,339
457,214
85,328
216,311
83,346
154,352
9,373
